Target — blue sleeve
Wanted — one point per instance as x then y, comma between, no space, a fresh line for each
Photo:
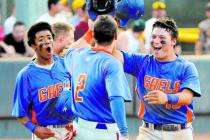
68,60
21,99
116,82
190,80
64,103
118,111
133,63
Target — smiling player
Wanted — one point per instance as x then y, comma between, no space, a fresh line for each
166,85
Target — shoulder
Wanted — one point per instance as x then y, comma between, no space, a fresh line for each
186,64
23,72
150,21
43,17
112,62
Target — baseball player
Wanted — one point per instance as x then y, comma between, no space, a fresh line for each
166,85
64,36
38,86
99,86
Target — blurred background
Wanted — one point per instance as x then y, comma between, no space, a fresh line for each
193,20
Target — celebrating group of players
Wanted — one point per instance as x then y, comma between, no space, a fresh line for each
93,78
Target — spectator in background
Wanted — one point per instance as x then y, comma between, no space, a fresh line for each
130,40
4,50
66,10
78,12
10,21
64,36
203,45
82,27
53,15
158,12
16,40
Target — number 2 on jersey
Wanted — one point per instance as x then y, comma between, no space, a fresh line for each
80,87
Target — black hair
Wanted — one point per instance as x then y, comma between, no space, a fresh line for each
104,29
36,28
169,24
18,23
50,2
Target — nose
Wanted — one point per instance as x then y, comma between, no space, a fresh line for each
156,40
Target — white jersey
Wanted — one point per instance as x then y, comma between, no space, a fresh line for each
50,19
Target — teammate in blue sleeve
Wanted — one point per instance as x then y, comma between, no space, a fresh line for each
38,86
166,85
99,86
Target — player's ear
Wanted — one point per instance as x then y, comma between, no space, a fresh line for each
33,47
173,41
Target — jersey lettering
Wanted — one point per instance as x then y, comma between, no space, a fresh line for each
80,87
50,92
153,83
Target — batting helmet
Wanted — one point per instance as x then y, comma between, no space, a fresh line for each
129,9
99,7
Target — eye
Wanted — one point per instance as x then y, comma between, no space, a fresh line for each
49,37
153,36
41,40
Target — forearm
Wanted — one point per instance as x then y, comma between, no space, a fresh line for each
8,48
184,98
118,112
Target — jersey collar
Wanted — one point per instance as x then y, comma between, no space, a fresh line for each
101,49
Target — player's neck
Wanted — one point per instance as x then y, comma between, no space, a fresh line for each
43,61
103,48
169,58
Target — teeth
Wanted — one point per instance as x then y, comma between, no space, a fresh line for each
157,48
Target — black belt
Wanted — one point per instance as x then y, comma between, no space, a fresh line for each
166,127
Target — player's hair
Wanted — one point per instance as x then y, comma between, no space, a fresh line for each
61,28
18,23
50,2
105,29
169,24
37,28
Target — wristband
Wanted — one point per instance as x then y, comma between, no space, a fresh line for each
31,126
88,36
173,98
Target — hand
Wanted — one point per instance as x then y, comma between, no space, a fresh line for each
43,132
123,138
156,97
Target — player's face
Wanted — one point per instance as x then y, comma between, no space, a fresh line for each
44,44
68,39
162,44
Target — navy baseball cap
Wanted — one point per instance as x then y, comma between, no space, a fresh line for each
99,7
129,9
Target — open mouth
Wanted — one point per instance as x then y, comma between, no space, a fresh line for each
157,48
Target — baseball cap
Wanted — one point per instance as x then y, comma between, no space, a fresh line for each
138,25
76,4
158,5
129,9
99,7
63,2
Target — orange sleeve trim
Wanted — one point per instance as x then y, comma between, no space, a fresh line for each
88,36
